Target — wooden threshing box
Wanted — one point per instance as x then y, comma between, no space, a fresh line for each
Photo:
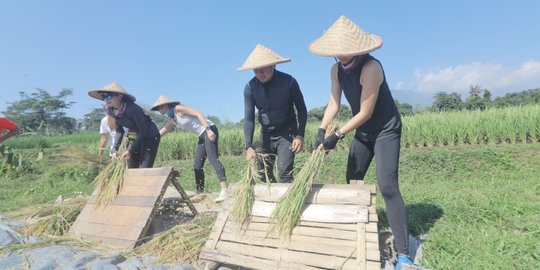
338,230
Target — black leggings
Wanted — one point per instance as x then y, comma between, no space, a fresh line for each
206,148
386,152
146,155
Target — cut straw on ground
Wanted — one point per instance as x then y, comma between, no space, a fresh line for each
51,219
181,244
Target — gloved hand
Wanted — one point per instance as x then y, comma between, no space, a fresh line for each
330,142
320,137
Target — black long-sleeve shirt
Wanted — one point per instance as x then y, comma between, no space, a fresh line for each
276,101
135,119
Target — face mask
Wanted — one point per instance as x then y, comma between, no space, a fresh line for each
170,113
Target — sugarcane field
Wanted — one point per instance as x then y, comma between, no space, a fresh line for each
210,135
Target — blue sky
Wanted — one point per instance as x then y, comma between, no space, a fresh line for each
189,50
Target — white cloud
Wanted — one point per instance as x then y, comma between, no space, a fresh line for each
497,78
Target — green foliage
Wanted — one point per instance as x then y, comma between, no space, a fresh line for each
491,126
92,120
316,114
41,112
527,97
479,99
404,108
447,102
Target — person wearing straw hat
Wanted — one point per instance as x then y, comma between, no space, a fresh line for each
276,95
191,120
143,135
375,118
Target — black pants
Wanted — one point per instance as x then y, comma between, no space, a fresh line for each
207,149
279,146
144,158
386,152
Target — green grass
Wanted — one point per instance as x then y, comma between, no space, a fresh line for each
479,204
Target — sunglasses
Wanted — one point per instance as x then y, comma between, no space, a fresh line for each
109,96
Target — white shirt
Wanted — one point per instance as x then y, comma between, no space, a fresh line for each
104,129
191,123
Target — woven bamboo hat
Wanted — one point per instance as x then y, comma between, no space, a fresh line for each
345,38
162,100
111,88
262,57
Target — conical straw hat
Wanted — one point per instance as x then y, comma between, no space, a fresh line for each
345,38
162,100
262,57
113,88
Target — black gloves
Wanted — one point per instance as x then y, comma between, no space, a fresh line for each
330,142
320,137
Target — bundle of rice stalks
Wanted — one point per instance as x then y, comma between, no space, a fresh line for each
109,180
52,219
244,194
181,244
289,208
79,153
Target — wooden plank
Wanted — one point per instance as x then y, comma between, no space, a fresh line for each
218,227
309,259
136,217
372,227
262,231
127,218
234,258
141,191
320,194
298,243
319,212
180,190
150,171
339,226
361,246
372,237
123,200
110,231
371,265
144,181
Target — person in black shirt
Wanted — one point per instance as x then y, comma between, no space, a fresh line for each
143,135
278,100
375,119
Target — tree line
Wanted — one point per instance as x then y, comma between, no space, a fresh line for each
43,113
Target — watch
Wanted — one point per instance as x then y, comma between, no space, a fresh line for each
340,134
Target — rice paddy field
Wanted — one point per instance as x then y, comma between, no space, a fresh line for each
470,180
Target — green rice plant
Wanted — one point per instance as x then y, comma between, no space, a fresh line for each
289,208
181,244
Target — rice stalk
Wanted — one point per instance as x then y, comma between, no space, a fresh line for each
181,244
50,240
79,153
244,194
109,181
52,219
289,208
